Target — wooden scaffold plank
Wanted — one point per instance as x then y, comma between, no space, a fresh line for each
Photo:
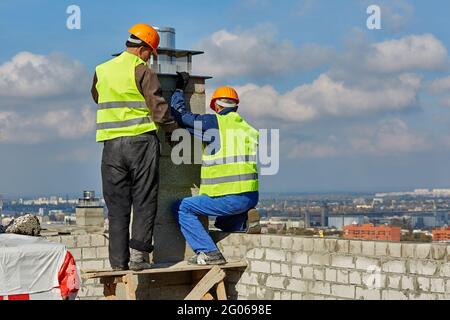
213,277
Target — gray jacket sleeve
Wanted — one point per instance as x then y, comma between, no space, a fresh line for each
148,84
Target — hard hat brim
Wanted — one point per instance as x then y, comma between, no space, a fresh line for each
213,101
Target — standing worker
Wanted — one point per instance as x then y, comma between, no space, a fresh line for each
130,108
229,174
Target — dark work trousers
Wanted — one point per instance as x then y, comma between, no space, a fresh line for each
130,174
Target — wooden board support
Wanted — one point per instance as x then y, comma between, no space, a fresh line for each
130,286
203,278
208,297
212,278
220,291
160,268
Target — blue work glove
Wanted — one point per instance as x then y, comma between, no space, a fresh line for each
177,102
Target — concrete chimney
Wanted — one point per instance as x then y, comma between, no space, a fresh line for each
176,181
89,212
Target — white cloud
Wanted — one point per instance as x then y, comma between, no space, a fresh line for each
31,75
255,53
445,101
313,150
389,137
440,86
415,52
44,98
325,97
396,14
365,83
365,80
19,127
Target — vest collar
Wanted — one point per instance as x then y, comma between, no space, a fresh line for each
126,53
226,111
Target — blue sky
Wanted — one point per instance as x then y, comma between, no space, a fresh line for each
358,109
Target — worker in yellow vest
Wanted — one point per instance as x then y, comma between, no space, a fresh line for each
229,174
130,110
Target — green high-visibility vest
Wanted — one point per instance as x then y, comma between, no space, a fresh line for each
122,111
233,169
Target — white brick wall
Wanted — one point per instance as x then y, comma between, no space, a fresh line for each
343,291
275,255
315,268
367,294
83,241
275,282
393,295
427,268
394,266
343,262
363,263
297,268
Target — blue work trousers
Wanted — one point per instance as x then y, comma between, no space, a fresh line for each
230,212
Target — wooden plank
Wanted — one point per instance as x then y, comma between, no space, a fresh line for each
214,276
221,292
130,286
208,297
162,268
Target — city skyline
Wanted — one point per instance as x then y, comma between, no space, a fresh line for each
374,193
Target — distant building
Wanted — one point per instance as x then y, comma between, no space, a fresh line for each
442,234
371,232
70,220
423,221
307,219
325,216
339,221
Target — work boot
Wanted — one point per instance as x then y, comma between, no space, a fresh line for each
212,258
254,222
120,269
137,261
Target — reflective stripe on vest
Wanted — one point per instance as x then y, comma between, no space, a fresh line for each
233,169
122,124
242,177
122,104
122,110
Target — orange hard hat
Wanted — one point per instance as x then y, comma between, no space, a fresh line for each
224,93
146,33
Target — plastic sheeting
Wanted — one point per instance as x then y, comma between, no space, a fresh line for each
29,265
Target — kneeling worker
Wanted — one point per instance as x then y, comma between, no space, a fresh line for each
229,185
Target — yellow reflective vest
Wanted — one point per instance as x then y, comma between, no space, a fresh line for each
233,169
122,111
